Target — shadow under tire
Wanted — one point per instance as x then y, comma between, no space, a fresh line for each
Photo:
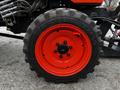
62,45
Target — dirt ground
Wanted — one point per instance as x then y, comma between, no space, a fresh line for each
15,73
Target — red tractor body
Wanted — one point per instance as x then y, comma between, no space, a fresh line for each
88,1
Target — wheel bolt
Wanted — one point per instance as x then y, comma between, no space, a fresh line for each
57,44
65,42
55,51
61,56
70,47
68,54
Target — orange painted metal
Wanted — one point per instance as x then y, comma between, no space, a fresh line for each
88,1
80,53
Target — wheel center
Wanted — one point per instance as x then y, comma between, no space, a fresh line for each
62,49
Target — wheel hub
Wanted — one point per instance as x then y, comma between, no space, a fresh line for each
63,48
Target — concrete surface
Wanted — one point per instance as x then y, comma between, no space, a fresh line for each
15,73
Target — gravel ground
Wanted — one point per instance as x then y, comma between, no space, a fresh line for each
15,73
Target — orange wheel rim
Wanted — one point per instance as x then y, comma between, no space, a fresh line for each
63,50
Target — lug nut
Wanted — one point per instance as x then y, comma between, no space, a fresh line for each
55,51
68,54
57,44
61,56
65,42
70,47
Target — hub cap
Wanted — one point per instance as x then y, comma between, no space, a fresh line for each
63,50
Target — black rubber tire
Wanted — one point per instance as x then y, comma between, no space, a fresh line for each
55,16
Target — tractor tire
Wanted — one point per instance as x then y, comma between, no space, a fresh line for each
62,45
